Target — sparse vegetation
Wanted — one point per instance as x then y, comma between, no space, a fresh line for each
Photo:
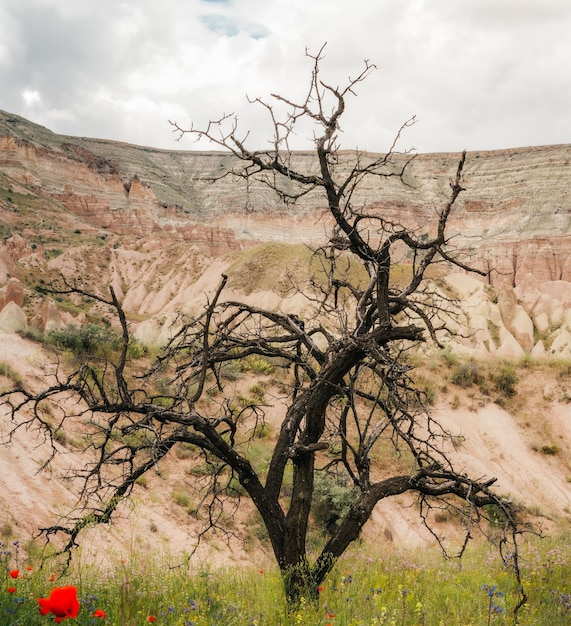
181,498
494,331
256,365
11,374
467,374
87,339
333,498
506,380
488,375
271,267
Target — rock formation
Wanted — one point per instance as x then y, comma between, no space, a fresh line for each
128,206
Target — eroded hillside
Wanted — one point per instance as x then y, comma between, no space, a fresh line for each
149,223
519,432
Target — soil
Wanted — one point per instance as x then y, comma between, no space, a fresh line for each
525,444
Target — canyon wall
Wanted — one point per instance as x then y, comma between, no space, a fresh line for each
514,215
59,193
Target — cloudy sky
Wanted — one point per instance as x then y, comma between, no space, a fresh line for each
478,74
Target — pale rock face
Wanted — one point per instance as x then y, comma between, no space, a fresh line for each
561,346
541,321
558,290
522,327
538,351
54,319
12,318
509,346
12,291
515,319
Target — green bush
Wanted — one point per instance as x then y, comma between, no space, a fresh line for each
136,349
332,498
467,374
257,365
505,381
234,489
89,339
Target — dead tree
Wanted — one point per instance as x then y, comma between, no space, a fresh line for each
349,388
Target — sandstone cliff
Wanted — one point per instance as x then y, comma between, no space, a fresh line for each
139,218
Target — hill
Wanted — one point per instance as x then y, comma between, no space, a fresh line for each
151,223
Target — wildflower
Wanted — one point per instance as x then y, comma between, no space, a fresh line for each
29,568
11,590
331,615
14,573
99,613
492,592
63,603
151,618
261,571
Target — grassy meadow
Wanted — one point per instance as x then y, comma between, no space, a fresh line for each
398,587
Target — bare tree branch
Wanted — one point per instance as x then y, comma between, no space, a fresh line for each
349,394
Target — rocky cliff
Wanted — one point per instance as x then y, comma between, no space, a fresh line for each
122,214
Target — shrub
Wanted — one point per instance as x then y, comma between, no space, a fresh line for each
136,349
9,372
234,489
258,391
230,371
449,358
506,381
428,389
257,365
467,374
262,431
181,499
89,339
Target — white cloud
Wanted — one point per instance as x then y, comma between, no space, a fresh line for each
31,97
478,75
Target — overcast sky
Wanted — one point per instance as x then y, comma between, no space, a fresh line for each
478,74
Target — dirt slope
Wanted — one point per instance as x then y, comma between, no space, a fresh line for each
490,442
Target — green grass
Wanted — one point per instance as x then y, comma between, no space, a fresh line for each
397,587
7,371
270,266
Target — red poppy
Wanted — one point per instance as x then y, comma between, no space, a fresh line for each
14,573
151,618
11,590
29,568
62,603
100,613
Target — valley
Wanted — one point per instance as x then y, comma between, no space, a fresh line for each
152,224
